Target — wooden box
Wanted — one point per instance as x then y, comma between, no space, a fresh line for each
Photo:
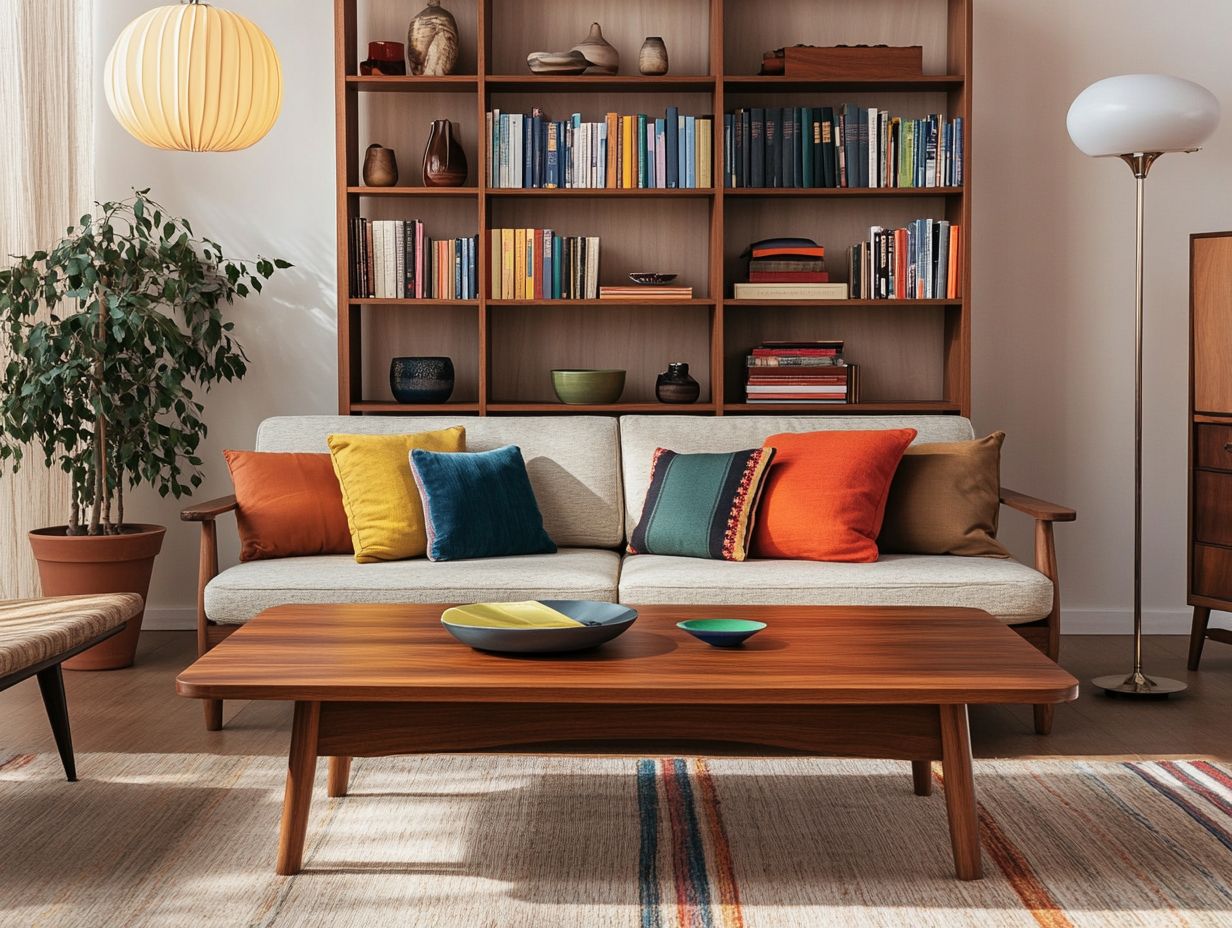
849,61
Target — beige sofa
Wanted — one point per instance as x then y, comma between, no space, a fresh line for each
590,476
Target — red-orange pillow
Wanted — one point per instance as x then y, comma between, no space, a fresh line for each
826,494
289,505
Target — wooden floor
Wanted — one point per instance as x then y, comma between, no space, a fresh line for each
136,710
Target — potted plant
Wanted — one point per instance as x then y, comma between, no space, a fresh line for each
107,334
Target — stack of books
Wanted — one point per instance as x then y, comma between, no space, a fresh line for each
631,151
788,269
645,292
394,259
801,372
920,262
845,146
539,264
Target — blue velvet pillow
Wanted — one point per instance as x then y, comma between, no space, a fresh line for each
478,504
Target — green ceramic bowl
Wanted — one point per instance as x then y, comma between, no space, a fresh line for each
585,388
722,633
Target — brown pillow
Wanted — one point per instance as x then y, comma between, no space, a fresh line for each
288,505
945,498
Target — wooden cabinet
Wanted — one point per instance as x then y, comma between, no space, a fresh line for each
1210,435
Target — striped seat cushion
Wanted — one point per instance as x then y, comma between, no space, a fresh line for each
35,630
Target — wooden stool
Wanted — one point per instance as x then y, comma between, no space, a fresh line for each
37,635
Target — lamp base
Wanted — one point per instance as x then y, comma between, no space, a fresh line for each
1139,685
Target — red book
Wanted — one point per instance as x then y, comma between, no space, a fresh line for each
816,251
795,352
786,277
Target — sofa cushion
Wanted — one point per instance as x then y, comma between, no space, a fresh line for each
239,593
1007,589
641,435
573,461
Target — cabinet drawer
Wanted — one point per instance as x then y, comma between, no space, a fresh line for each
1212,508
1212,572
1213,447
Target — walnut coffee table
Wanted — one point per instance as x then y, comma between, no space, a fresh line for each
375,680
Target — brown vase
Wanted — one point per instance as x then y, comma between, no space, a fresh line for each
380,167
444,163
74,565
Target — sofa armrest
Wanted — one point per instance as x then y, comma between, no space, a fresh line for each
1038,509
209,510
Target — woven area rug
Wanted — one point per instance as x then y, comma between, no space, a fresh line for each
189,840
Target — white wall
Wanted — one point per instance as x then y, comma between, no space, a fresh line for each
1052,266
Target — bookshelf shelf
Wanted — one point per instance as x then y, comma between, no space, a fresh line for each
907,407
598,304
756,83
844,304
617,408
599,83
910,351
453,83
604,192
463,192
844,192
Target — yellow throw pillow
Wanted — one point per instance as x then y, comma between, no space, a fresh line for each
382,504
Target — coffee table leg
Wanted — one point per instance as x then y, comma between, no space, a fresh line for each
922,777
960,792
339,776
301,771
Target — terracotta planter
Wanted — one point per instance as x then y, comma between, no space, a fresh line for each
71,565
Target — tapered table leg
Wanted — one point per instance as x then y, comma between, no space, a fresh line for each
339,776
922,777
51,685
301,771
1197,635
960,792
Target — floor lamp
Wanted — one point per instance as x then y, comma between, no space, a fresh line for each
1137,118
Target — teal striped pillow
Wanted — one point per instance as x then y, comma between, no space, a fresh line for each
701,505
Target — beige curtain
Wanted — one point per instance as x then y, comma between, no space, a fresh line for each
46,183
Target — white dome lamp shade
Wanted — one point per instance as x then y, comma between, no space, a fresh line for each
1141,114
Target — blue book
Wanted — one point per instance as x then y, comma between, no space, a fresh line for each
729,161
660,131
502,160
601,159
556,262
494,150
640,152
528,152
551,156
671,137
690,158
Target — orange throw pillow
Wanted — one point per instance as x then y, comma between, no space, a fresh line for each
289,505
826,494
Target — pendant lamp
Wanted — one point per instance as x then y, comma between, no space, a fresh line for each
191,77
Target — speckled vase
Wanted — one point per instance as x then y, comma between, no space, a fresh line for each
421,380
652,59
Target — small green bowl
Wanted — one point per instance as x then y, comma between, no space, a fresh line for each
588,387
722,633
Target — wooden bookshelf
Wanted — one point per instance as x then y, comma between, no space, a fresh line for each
914,354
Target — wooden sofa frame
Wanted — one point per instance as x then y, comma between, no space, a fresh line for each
1044,633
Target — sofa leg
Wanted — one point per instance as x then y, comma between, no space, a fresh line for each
213,714
1043,718
51,685
922,777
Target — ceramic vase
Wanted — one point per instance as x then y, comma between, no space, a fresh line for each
652,59
675,385
421,380
432,41
380,167
603,58
387,59
444,163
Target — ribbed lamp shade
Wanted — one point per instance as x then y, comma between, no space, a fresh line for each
194,78
1141,113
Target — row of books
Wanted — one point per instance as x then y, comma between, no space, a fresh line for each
920,262
394,259
796,372
539,264
630,151
845,146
